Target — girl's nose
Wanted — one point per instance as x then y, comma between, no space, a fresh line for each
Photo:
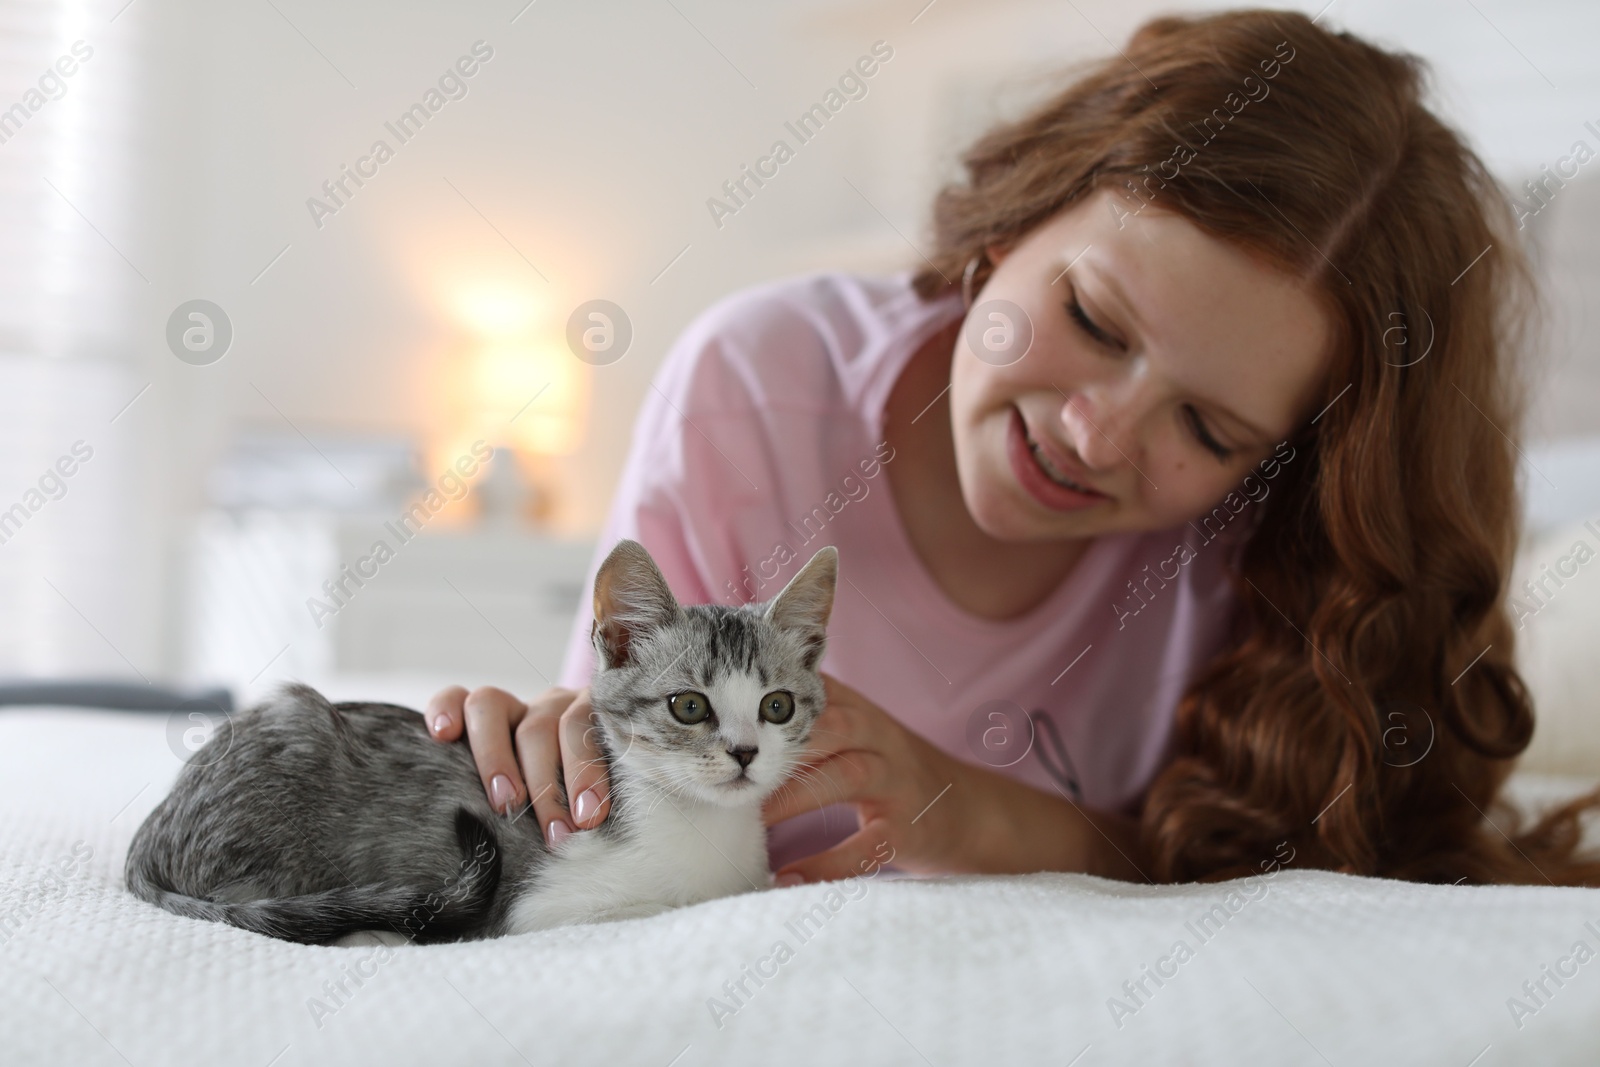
1096,421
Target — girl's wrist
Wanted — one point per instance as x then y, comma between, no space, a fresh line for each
1009,827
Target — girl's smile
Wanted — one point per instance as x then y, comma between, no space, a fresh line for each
1054,481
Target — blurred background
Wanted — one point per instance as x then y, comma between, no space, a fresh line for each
258,343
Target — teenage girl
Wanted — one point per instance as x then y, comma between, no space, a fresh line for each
1175,494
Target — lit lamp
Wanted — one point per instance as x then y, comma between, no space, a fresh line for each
524,394
536,394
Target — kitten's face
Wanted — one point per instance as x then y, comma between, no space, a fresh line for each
711,702
717,705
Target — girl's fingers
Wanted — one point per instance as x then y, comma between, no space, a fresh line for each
588,787
490,714
445,713
862,853
837,778
836,762
835,688
838,729
539,755
842,696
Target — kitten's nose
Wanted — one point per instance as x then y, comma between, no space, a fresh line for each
743,753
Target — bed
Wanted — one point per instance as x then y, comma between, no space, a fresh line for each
1293,967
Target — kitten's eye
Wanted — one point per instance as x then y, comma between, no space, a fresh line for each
777,707
689,707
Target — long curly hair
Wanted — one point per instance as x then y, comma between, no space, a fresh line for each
1368,709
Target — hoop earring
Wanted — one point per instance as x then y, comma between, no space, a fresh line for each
966,279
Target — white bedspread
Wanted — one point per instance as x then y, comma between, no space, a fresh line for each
1317,968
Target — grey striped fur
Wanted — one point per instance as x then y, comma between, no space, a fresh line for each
310,821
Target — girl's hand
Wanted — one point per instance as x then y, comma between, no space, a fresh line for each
554,735
933,813
906,792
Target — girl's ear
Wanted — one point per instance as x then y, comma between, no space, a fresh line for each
997,253
631,599
806,602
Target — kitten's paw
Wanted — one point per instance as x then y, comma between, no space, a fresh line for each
366,938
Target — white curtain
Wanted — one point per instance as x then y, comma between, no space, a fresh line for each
71,544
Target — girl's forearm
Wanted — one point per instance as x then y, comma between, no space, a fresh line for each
1013,828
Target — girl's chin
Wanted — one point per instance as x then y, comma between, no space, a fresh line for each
1008,517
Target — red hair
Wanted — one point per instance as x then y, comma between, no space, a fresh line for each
1371,591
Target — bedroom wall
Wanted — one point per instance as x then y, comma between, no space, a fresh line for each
578,165
589,145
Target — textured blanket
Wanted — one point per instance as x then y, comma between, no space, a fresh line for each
1293,967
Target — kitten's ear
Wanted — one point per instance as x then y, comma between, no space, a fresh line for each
631,598
807,601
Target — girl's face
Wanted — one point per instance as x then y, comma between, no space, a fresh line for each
1164,364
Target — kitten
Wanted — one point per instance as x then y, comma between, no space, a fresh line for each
312,821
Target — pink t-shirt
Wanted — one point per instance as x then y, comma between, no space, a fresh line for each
761,441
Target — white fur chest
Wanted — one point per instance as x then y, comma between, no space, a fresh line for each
677,852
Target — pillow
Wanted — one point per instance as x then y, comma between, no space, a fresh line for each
1554,601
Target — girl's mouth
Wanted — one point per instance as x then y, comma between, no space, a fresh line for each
1041,478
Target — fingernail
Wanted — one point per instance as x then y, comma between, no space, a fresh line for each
788,878
588,803
502,792
554,833
440,722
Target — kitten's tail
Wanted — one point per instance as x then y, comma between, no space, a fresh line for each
456,909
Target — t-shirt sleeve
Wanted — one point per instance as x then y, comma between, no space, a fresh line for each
699,475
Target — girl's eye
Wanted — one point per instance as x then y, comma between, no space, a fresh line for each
689,707
1088,325
1203,435
777,707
